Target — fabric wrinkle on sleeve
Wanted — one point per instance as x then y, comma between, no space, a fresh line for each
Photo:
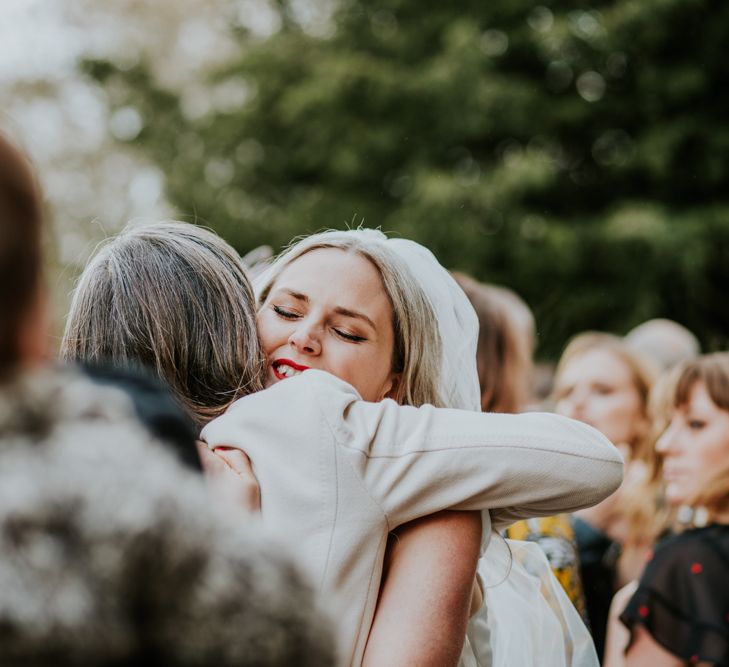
417,461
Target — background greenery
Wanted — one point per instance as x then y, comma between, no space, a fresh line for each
576,152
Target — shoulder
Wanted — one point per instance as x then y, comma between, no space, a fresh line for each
312,386
296,407
154,406
36,403
702,551
682,597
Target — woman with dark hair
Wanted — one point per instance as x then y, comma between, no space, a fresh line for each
23,326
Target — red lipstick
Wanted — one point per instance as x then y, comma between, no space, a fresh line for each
286,362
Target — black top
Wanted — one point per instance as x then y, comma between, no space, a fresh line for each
683,596
598,557
155,407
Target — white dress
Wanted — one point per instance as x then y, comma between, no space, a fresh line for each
337,474
527,619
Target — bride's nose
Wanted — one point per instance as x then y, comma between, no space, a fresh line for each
306,339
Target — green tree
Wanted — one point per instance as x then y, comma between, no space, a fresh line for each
577,153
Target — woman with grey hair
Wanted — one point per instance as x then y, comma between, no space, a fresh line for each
337,473
173,298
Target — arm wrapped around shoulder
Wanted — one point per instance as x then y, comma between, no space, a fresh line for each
417,461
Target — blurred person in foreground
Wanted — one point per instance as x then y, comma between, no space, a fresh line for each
602,382
103,560
676,613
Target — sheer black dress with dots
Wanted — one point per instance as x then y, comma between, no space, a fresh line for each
683,596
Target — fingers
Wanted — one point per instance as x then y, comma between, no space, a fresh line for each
240,464
211,463
230,476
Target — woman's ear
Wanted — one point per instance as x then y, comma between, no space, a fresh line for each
394,386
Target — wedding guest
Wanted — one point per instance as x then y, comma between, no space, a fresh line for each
676,614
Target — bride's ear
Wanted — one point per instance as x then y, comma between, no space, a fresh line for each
394,388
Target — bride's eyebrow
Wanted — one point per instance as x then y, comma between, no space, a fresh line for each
346,312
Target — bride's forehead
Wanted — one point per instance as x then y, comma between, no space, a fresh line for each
344,267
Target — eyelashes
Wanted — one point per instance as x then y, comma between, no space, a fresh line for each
286,314
348,336
289,315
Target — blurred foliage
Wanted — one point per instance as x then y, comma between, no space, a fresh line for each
576,153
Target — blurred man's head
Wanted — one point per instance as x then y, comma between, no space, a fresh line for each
663,341
22,325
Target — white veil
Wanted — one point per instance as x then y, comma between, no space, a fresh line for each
457,324
527,619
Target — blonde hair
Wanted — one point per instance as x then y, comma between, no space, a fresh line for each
174,298
505,345
417,349
643,375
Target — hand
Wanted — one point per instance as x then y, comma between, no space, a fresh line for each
230,476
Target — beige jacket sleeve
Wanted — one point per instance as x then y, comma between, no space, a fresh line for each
416,461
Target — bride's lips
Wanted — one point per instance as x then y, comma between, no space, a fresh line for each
286,368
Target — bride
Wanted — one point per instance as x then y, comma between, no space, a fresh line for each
549,630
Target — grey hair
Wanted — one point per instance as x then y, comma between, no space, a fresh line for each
417,352
174,298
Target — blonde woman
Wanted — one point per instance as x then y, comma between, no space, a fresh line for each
407,271
601,381
336,472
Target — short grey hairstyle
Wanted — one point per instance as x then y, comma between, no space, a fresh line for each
174,298
417,353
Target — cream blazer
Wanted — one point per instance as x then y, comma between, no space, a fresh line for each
337,474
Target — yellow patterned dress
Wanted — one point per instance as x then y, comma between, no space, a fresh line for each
556,537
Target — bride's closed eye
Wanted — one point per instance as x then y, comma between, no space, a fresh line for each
285,313
348,336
